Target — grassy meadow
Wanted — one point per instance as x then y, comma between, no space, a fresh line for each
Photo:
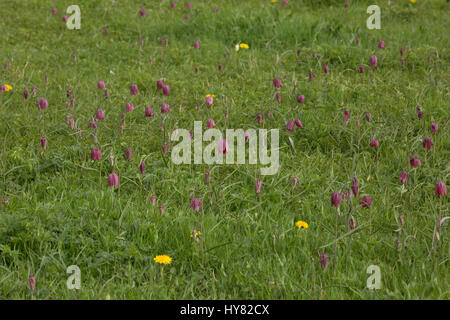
57,209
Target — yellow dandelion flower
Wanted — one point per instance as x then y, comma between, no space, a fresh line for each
210,95
301,224
244,46
6,87
195,234
163,259
273,1
412,1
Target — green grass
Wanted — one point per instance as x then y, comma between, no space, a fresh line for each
59,215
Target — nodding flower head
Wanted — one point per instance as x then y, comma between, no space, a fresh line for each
325,69
352,223
210,123
355,187
259,117
347,116
336,198
165,108
159,84
209,100
310,75
427,143
71,122
96,154
196,45
142,167
92,123
381,44
415,161
290,125
129,107
100,114
134,90
166,89
31,282
25,94
323,260
222,146
420,114
366,202
368,116
300,98
54,11
246,135
403,177
361,69
195,204
153,199
173,4
373,60
142,12
440,189
128,154
434,127
374,143
43,103
207,176
258,186
294,181
148,112
298,123
277,83
101,85
113,180
278,96
165,148
44,143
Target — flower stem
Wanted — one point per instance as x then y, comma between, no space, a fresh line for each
203,237
335,237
